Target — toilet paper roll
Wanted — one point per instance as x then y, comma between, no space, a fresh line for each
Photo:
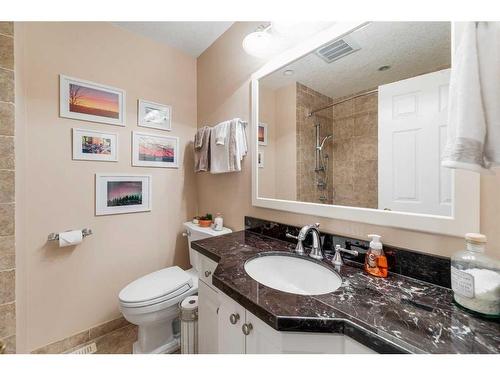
70,238
190,303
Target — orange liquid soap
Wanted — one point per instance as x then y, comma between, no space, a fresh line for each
375,260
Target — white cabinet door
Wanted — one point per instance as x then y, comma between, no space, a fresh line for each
261,338
208,305
231,318
412,121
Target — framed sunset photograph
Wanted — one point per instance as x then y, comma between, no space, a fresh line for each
122,193
262,134
154,115
90,101
151,150
94,145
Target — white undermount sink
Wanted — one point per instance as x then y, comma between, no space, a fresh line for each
292,274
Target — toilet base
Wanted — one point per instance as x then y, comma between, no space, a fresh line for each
168,348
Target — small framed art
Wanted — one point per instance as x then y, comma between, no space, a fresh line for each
122,193
262,134
154,115
152,150
94,145
90,101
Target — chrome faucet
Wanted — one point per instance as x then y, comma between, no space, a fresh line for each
337,258
317,250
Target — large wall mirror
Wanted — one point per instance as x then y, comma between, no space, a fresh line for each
352,124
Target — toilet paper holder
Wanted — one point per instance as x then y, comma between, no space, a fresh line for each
55,236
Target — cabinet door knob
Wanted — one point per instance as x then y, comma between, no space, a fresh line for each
233,318
207,273
246,328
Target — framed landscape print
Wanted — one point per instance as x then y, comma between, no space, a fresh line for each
122,193
151,150
89,101
262,134
94,145
154,115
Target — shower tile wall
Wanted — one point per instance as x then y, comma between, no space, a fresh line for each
307,178
355,154
7,258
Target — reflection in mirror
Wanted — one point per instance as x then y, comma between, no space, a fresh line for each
361,121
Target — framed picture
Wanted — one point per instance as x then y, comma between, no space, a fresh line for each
154,115
89,101
151,150
260,159
94,145
262,134
122,193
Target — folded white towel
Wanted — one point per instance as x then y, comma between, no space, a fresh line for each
221,132
226,155
473,141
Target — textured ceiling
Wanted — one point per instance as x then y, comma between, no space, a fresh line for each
410,48
190,37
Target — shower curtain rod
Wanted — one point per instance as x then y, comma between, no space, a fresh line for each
341,101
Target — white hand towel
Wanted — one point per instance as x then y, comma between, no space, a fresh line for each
474,112
221,132
219,152
226,155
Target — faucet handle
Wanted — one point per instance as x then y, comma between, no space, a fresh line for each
288,235
337,258
316,225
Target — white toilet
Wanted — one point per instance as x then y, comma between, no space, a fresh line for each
152,301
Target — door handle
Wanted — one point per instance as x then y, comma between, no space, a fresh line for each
233,318
246,328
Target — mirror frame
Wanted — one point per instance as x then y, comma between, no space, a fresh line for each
465,184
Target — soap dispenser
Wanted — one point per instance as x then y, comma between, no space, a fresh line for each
375,260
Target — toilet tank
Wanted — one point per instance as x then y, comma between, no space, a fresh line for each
194,233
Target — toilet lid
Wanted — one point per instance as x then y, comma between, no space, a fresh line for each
156,285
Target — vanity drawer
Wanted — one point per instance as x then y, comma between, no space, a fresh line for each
208,267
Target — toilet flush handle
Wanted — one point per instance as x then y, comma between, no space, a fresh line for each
187,233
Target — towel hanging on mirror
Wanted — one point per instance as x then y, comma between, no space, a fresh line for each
473,141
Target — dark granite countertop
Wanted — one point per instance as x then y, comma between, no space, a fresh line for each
393,315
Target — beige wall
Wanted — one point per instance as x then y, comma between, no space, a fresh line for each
223,91
67,290
286,154
267,115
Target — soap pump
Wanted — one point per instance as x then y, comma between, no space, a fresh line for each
375,260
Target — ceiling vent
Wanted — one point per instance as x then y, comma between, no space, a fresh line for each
337,49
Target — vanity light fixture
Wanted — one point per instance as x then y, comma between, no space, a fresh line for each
259,43
271,38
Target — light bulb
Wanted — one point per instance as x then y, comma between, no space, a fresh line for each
258,44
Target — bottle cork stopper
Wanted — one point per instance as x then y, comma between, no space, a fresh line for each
477,238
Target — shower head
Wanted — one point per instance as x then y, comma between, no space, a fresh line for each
320,147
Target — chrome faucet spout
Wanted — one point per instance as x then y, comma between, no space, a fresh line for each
316,251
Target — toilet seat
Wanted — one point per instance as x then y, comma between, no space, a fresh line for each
156,288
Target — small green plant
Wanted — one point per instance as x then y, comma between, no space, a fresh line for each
206,217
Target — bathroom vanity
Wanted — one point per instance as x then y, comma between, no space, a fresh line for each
399,314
